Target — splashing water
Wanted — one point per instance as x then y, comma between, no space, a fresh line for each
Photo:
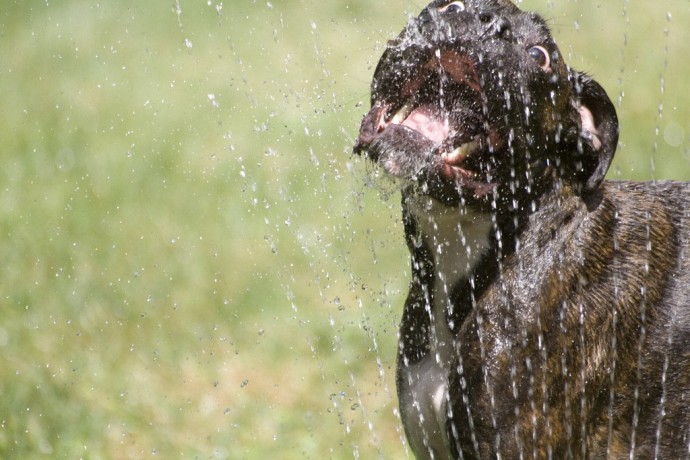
180,213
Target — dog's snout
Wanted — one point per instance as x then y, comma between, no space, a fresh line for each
502,26
485,16
496,24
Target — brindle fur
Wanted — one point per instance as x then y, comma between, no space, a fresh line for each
571,335
592,310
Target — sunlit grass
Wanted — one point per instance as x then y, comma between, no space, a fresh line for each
194,265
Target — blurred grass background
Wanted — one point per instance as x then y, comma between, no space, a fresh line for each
194,265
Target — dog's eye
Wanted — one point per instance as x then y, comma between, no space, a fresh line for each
453,7
540,56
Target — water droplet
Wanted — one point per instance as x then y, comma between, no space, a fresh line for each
674,134
214,101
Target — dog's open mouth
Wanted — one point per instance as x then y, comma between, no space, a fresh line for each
430,116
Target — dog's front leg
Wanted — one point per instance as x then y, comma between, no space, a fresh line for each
499,407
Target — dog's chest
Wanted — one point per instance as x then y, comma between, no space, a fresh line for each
456,238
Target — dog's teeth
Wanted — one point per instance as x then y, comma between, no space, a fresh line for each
459,154
401,114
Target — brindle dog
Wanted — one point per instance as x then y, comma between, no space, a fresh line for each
549,310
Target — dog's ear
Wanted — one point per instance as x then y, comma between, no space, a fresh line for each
598,135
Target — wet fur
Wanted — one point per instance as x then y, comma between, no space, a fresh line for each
571,330
591,310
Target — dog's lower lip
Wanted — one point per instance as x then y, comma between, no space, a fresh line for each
452,160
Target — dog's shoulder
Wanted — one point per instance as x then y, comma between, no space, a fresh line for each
573,246
652,216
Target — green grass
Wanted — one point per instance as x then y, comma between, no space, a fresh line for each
193,264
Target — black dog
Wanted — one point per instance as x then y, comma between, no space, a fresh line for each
549,310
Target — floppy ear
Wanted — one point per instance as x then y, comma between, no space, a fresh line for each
598,135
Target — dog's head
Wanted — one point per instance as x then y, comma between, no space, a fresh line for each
473,101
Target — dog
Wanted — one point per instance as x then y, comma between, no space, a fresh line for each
548,314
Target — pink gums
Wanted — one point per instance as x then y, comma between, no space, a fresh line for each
429,123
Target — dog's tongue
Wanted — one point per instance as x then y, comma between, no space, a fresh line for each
430,122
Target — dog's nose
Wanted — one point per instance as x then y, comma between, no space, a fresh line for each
497,25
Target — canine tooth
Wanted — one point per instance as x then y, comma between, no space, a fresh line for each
401,114
460,153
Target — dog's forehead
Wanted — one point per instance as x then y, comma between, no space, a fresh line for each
526,26
531,27
496,6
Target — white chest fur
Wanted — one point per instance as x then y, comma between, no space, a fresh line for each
457,238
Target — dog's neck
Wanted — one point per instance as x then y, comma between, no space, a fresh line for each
456,238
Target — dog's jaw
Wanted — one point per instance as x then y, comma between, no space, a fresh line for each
457,238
